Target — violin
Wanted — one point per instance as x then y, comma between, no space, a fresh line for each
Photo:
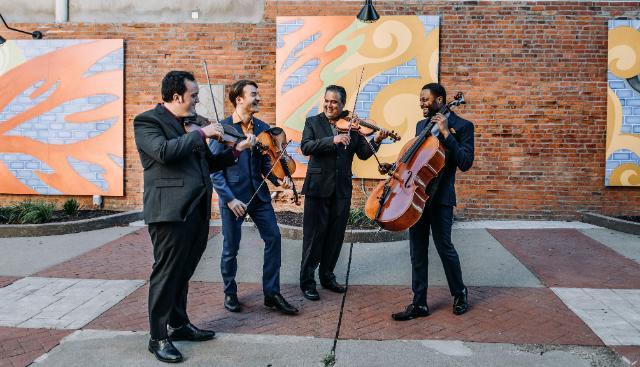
366,127
231,135
273,143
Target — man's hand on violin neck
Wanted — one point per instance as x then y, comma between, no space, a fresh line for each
381,135
342,139
286,183
213,130
249,142
237,207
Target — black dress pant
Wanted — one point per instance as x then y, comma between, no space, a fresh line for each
177,249
440,219
324,224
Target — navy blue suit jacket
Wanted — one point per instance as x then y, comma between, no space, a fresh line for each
459,155
240,180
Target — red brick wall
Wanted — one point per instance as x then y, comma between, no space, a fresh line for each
534,75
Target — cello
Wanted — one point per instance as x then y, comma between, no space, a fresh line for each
398,202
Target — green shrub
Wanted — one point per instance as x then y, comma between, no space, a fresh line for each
357,217
71,207
27,212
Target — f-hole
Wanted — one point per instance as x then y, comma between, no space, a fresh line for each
407,182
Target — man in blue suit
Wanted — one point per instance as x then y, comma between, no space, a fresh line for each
236,186
456,135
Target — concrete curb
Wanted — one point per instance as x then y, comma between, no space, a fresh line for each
50,229
611,223
359,235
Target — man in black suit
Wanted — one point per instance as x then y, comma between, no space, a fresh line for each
327,189
177,206
456,134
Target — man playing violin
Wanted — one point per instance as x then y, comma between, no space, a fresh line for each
456,135
239,185
177,206
327,188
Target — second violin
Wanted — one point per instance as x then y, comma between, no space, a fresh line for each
273,143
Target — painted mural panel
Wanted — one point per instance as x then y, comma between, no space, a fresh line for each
61,117
399,55
623,104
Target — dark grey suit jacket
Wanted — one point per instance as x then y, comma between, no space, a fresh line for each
329,168
176,166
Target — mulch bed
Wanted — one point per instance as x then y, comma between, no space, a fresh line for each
60,216
295,219
631,218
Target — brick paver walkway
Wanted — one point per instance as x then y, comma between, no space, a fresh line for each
558,257
19,347
568,258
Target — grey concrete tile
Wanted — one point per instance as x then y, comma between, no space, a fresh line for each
23,256
61,303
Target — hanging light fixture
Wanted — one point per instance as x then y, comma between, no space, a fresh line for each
35,34
368,13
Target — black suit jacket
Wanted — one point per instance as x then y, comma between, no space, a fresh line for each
459,155
176,166
329,168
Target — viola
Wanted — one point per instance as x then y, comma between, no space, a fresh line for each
366,127
273,143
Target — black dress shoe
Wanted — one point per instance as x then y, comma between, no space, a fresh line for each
412,312
231,303
279,303
311,294
333,286
191,333
460,304
164,350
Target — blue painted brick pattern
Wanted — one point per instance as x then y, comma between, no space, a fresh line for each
51,127
23,101
430,22
90,172
617,159
293,57
375,85
24,168
113,61
291,150
300,75
630,101
117,160
284,28
31,49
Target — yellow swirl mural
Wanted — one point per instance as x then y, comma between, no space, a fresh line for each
399,55
623,104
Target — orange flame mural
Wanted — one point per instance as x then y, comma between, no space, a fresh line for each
61,117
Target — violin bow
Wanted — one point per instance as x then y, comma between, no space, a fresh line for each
213,100
355,103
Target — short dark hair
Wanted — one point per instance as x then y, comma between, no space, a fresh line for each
237,89
174,82
437,90
337,89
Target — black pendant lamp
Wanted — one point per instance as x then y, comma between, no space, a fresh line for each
368,13
36,35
